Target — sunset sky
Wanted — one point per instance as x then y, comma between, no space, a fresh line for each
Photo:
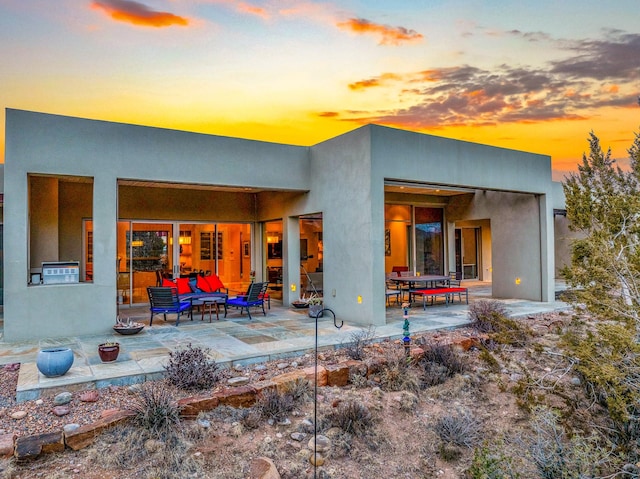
535,76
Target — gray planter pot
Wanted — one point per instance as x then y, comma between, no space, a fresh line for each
315,310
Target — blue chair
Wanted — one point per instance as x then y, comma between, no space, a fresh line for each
165,300
255,297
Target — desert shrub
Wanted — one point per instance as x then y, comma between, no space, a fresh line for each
300,390
526,390
491,317
461,429
439,363
485,308
556,455
156,409
191,369
354,348
358,379
491,462
350,416
251,418
608,361
129,448
274,405
489,359
398,375
447,356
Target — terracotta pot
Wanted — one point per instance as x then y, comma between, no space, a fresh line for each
108,352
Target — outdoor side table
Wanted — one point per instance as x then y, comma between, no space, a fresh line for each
208,303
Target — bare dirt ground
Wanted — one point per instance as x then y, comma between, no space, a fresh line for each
401,442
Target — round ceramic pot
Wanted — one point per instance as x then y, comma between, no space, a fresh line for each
53,362
315,310
108,353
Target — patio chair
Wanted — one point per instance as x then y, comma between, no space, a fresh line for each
255,297
393,289
165,300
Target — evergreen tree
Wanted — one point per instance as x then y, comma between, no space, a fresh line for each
603,205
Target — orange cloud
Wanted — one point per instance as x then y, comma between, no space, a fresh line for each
252,9
137,13
388,35
373,82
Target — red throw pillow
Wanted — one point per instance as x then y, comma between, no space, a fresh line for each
214,282
183,286
203,285
167,283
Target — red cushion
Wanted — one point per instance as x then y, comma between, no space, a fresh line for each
183,286
203,285
214,283
167,283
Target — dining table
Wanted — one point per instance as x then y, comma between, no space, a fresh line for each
429,280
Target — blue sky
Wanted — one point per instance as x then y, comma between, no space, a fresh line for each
536,76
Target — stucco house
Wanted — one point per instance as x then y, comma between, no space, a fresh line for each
95,211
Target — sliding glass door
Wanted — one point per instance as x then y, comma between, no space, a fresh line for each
151,251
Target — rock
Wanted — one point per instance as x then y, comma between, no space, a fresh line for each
60,410
68,428
18,414
263,468
62,398
284,422
85,435
39,402
282,365
204,423
239,381
316,459
239,367
91,395
28,447
298,436
294,364
576,381
7,444
322,443
260,367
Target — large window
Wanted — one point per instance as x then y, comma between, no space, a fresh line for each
59,207
414,238
429,241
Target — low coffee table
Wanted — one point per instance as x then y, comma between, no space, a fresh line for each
210,301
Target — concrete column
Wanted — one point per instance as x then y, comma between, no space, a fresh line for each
547,259
291,259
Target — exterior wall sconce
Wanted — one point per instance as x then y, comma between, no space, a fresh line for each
518,280
293,287
359,299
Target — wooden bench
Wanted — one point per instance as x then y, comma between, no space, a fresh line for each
446,292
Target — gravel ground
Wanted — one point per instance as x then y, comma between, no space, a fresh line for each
39,418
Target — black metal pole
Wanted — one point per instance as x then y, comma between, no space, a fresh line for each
315,391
